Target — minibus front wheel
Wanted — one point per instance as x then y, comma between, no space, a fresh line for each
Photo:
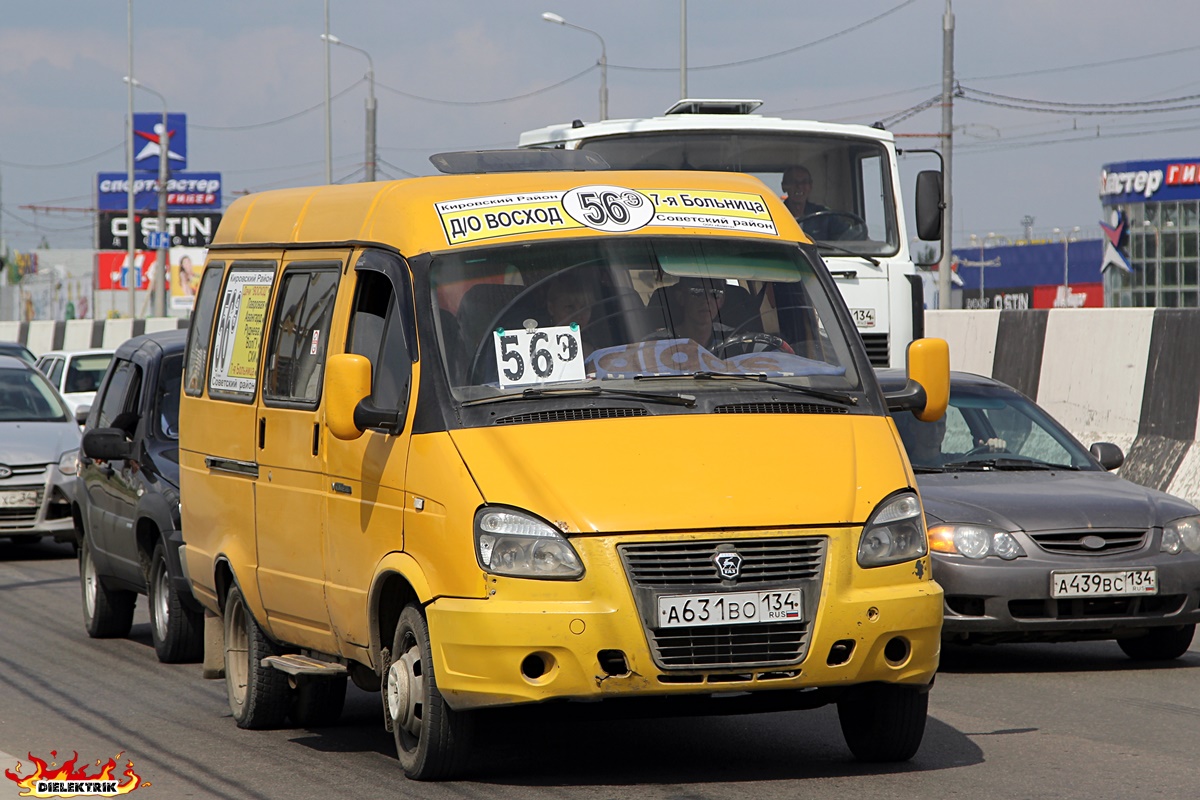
884,722
432,740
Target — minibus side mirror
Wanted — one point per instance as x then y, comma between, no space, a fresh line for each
927,392
349,410
107,444
929,205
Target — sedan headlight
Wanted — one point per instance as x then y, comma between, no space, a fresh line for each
974,541
894,533
68,462
1182,534
510,542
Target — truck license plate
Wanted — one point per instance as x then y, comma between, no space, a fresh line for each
863,317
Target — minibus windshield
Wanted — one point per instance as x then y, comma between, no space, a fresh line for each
638,314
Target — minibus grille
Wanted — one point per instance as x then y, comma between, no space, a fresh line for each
572,415
877,348
669,568
674,564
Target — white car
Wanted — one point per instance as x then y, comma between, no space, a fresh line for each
76,374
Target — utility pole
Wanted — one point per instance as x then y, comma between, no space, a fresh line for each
160,275
683,49
947,148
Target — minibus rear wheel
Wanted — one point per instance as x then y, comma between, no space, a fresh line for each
259,696
883,722
432,740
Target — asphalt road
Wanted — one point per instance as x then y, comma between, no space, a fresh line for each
1032,721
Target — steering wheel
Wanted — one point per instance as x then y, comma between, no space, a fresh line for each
857,229
978,449
755,343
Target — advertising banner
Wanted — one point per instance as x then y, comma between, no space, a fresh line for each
149,137
199,191
183,276
1140,181
1019,298
187,229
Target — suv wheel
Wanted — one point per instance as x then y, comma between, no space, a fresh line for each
107,613
177,631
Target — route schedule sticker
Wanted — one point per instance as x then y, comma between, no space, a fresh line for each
239,331
535,356
611,209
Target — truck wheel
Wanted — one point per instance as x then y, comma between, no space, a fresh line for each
318,702
883,722
177,631
107,613
259,696
432,740
1159,644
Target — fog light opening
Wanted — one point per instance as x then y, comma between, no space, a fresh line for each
534,666
840,652
613,662
897,651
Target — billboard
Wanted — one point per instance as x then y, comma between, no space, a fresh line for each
149,138
1143,181
184,265
187,229
199,191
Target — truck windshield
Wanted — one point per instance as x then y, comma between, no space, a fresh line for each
839,188
609,313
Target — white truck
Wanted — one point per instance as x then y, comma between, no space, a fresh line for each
858,219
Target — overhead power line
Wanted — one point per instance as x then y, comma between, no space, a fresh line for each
440,101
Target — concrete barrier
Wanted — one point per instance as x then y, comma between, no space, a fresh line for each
41,336
1125,375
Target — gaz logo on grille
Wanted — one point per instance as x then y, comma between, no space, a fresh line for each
728,564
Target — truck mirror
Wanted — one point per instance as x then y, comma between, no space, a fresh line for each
929,205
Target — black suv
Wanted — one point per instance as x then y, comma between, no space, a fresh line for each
127,505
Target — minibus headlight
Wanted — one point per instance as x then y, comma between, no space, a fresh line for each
509,542
1182,534
894,533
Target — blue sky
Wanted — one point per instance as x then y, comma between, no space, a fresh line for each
465,75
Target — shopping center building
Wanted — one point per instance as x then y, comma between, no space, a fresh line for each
1152,211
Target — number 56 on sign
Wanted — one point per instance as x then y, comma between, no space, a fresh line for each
539,355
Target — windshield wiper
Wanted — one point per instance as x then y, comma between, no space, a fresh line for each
840,398
1007,463
826,245
540,392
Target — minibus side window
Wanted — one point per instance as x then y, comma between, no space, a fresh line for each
300,336
377,332
201,330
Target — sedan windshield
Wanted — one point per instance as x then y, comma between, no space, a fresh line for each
26,396
613,314
989,428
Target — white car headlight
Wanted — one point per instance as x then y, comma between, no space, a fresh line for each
974,541
68,462
1181,534
894,533
510,542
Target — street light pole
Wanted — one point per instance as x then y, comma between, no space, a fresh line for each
557,20
371,158
131,254
164,151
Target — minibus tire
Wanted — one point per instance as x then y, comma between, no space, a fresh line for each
107,613
883,722
318,702
259,696
176,630
432,740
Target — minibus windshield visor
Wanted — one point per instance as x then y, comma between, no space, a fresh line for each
619,313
